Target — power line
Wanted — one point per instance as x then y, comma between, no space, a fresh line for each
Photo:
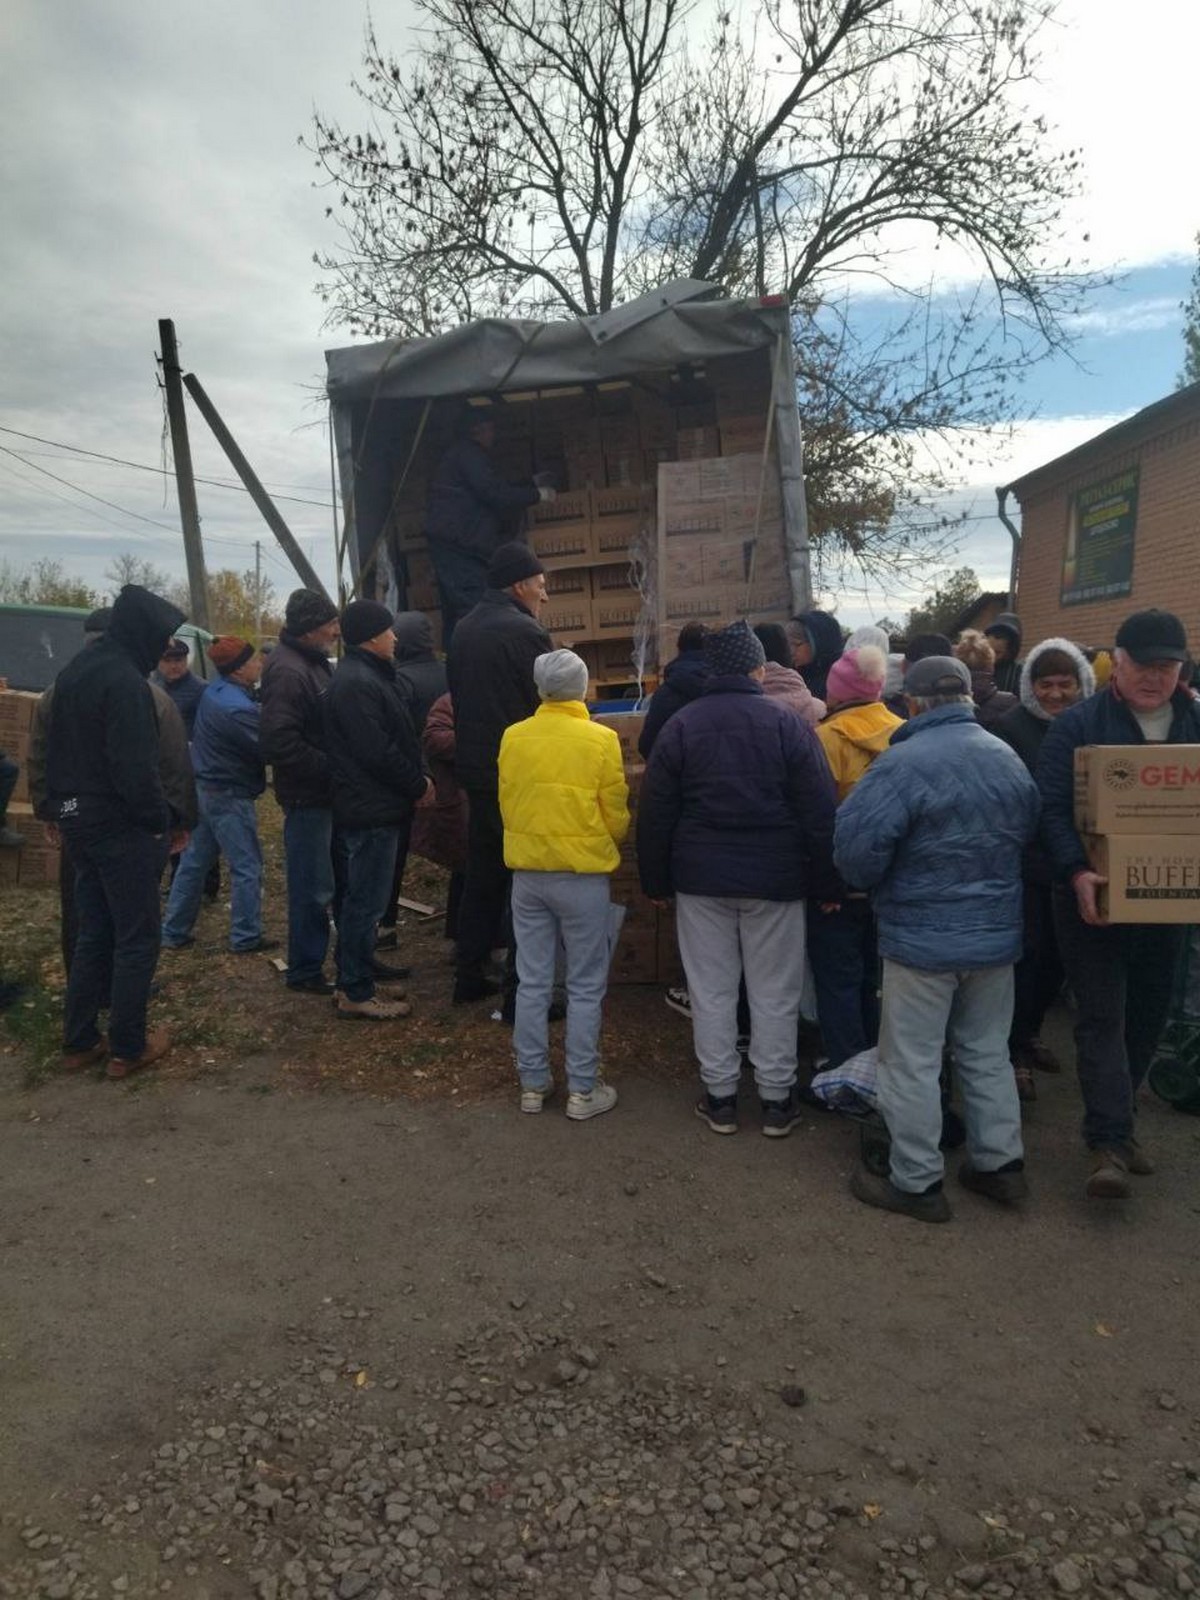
139,466
99,498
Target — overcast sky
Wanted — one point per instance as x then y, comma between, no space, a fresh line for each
151,168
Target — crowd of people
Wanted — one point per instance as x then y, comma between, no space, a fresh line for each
894,836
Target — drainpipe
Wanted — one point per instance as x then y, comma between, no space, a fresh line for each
1015,534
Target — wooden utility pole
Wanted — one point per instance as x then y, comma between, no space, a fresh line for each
189,511
258,494
258,593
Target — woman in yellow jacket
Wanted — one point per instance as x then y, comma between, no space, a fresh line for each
565,806
841,941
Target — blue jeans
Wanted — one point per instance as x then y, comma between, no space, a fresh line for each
845,964
573,907
919,1008
370,862
228,828
116,900
308,857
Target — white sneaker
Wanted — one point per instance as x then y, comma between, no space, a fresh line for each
582,1106
678,1000
532,1100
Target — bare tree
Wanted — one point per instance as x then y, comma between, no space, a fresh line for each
130,568
548,157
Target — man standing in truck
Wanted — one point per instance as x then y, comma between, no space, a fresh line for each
1121,976
472,511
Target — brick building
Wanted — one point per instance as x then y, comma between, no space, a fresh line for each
1113,526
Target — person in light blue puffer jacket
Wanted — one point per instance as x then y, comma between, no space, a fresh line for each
935,830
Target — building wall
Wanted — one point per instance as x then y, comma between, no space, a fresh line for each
1166,562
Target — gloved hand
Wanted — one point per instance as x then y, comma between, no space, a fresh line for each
545,494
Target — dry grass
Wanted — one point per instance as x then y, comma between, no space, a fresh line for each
234,1021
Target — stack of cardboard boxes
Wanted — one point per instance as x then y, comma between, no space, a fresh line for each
36,864
668,507
1138,809
646,950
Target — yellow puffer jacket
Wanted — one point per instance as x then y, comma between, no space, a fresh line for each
563,794
852,738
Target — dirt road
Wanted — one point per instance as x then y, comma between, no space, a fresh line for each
963,1392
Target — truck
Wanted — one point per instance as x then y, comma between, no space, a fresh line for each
670,428
36,642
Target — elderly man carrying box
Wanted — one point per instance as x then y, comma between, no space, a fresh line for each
1121,976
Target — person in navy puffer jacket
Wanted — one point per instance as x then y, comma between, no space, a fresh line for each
736,822
936,829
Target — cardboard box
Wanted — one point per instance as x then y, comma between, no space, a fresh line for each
627,725
1137,788
567,617
696,444
16,714
616,616
746,435
37,862
562,544
569,583
568,506
1152,877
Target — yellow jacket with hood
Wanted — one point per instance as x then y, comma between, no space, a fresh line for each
563,795
852,737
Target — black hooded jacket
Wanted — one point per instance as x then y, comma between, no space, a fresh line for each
825,633
421,676
1008,673
102,750
683,679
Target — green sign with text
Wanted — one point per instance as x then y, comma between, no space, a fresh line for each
1099,561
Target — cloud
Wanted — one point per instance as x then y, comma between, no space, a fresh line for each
1138,316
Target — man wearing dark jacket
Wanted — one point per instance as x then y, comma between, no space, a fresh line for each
422,680
378,777
1005,635
471,511
683,679
1121,976
179,682
736,822
292,742
174,766
490,667
104,792
230,776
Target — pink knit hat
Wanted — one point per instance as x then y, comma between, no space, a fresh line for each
856,675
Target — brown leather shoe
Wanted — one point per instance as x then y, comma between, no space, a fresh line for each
80,1060
157,1045
1109,1179
1026,1088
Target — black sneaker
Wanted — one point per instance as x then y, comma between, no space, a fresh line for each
313,985
259,946
779,1117
1005,1184
382,969
719,1111
385,938
470,986
873,1190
